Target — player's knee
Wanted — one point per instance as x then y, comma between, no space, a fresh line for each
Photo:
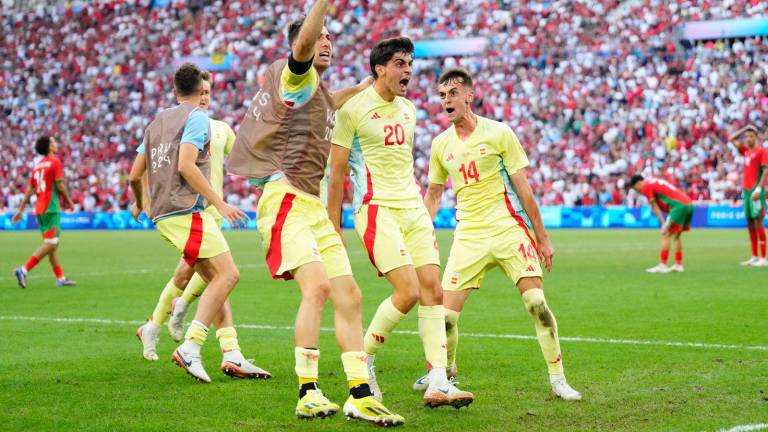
319,293
536,305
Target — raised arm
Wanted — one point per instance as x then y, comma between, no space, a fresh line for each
524,192
304,49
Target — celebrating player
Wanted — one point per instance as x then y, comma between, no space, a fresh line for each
664,197
177,144
374,134
234,363
282,146
47,182
755,174
495,208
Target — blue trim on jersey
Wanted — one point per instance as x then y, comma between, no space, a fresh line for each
298,98
261,182
512,195
360,179
140,149
196,129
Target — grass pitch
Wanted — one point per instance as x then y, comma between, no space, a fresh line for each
633,354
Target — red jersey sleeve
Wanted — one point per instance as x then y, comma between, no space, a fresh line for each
647,191
764,158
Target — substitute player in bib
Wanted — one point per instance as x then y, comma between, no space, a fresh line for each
753,196
176,156
47,182
664,197
494,208
374,135
282,146
233,363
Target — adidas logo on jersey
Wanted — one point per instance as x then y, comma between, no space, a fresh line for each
375,116
530,269
449,158
378,338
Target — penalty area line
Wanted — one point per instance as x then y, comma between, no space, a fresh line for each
746,428
411,332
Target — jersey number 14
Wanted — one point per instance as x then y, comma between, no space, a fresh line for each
469,172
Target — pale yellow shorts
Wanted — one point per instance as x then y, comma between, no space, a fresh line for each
513,250
295,230
196,236
395,237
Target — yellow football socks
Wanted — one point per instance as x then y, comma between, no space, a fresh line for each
432,331
387,317
307,360
197,332
355,367
194,289
227,337
546,329
452,334
163,307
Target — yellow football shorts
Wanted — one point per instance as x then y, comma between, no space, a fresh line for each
295,230
514,251
217,218
196,236
395,237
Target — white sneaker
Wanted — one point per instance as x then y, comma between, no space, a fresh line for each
677,268
192,363
374,386
148,334
749,262
762,262
422,383
235,365
176,321
561,389
659,268
450,395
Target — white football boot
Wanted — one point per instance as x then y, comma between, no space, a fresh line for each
192,363
659,268
422,383
148,334
372,383
176,321
561,389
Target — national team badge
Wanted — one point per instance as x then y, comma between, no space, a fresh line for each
483,149
454,278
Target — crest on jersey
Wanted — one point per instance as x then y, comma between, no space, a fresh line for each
454,278
483,149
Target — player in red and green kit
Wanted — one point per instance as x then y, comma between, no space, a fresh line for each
753,183
47,183
664,197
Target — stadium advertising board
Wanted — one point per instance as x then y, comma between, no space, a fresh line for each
552,216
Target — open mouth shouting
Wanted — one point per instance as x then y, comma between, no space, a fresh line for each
404,84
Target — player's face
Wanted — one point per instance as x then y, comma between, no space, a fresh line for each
323,50
54,147
397,73
751,139
455,98
205,95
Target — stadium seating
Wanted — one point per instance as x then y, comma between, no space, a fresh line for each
588,110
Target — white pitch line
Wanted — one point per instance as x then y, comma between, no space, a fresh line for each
411,332
746,428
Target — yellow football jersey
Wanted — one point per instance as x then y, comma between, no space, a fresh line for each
486,202
379,135
222,140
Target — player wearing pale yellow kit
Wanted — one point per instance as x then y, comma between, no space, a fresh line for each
233,363
374,136
495,208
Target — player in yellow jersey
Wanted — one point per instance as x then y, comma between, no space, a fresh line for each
233,363
495,209
374,135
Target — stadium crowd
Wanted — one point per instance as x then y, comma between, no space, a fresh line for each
596,90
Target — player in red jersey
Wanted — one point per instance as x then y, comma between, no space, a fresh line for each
47,183
753,196
664,197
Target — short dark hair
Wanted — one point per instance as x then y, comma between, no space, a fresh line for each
43,145
460,75
205,75
635,179
187,79
294,28
383,51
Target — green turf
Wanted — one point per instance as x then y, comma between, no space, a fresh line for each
91,376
